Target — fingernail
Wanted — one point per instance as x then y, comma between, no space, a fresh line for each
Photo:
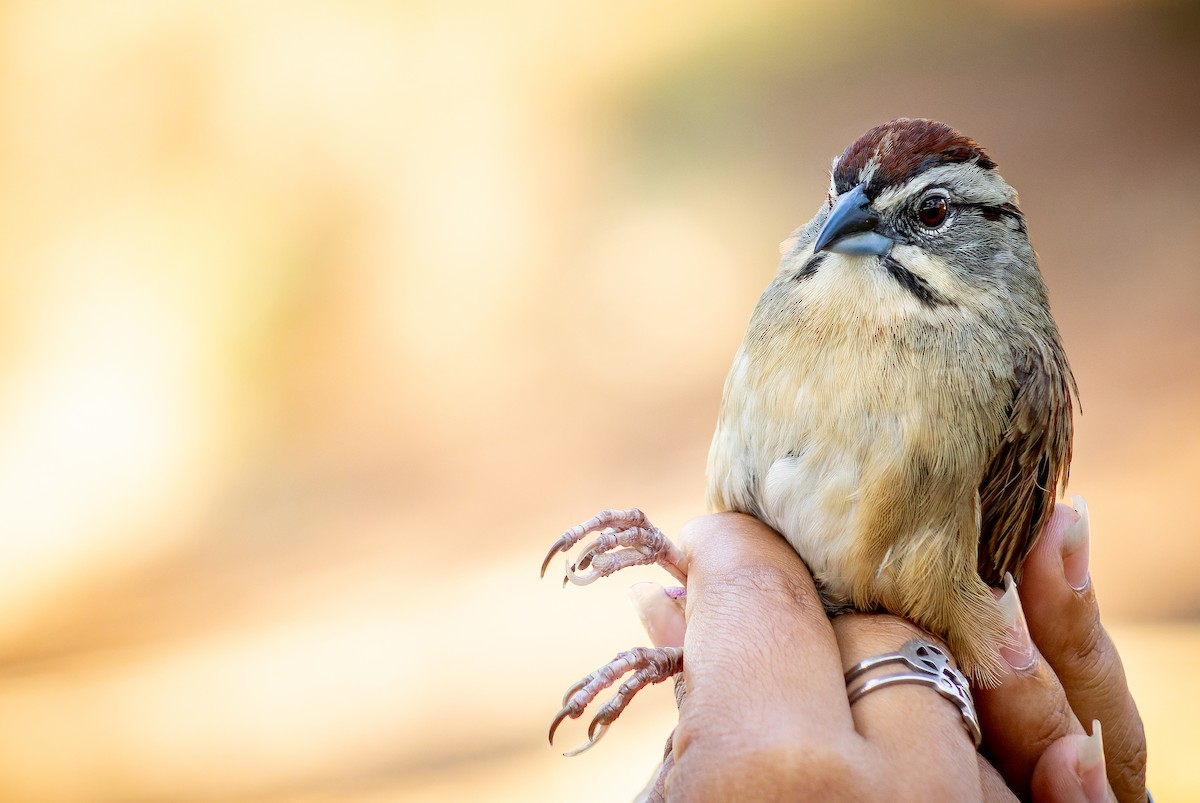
660,613
646,597
1090,765
1076,547
1019,652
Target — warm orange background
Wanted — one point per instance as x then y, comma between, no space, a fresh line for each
320,320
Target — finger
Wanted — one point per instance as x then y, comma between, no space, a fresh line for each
749,591
995,790
1072,771
661,613
919,735
763,673
1028,711
1064,621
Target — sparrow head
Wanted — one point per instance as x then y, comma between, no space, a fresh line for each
925,204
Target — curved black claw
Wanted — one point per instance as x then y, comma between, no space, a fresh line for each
648,664
624,528
558,720
561,545
616,549
596,731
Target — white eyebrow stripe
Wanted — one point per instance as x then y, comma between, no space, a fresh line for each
868,170
967,180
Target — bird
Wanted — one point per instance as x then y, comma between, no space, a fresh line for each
900,408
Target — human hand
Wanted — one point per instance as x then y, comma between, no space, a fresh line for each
1068,672
767,715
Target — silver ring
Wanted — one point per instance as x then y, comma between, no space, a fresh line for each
927,665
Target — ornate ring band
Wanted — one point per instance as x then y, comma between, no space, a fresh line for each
926,665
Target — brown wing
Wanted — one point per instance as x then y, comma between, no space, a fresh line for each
1033,458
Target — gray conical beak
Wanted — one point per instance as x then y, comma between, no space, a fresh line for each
851,227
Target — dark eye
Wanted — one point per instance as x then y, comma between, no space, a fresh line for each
933,211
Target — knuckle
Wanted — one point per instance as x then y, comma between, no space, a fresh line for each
1093,670
1088,655
821,771
772,581
1127,768
827,773
1046,729
766,764
1130,779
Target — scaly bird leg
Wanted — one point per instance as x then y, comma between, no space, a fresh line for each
635,540
649,665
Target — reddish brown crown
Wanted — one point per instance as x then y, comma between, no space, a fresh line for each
903,148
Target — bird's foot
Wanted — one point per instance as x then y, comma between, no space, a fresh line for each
627,538
649,665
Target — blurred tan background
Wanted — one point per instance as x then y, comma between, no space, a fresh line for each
320,320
